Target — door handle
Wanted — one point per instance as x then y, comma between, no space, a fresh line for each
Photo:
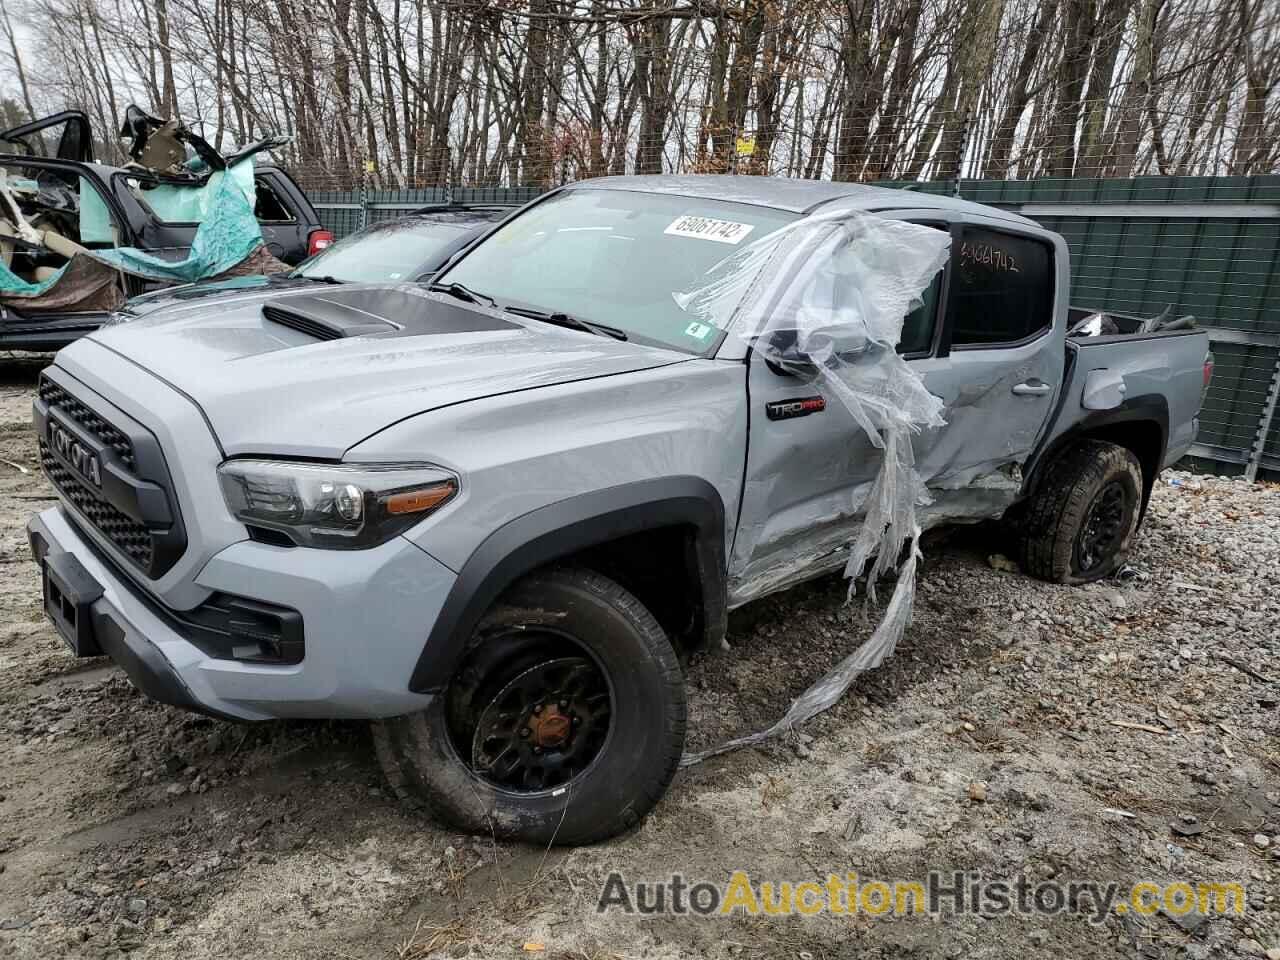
1032,388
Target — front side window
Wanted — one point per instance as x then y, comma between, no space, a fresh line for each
921,324
918,326
616,257
1001,288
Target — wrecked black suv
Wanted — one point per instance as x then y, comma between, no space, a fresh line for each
64,220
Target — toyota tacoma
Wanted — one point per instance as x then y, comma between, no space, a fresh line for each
490,513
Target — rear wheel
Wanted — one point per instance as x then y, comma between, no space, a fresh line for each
1080,524
564,722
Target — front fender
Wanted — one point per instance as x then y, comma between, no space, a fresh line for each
564,528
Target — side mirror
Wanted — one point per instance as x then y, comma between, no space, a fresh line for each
823,347
782,354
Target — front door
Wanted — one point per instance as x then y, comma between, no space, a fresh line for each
985,341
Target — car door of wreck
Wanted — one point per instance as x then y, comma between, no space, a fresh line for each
987,339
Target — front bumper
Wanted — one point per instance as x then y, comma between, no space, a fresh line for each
366,615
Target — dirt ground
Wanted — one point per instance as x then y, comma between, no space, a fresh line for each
1022,729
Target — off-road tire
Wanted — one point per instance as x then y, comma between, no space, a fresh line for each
633,767
1056,515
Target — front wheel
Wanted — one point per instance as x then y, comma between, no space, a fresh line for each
564,722
1079,526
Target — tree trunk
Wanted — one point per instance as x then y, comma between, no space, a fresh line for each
169,94
1138,91
1109,34
653,74
884,146
7,24
1078,25
859,100
535,154
977,40
1001,146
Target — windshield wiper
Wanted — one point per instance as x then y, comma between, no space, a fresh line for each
324,278
463,293
569,322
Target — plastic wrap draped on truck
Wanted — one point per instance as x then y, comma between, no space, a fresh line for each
825,299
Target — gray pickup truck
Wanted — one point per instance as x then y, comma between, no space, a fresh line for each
490,513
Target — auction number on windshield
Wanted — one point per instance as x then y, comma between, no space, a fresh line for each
709,228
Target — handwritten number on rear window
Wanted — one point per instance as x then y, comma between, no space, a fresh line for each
986,255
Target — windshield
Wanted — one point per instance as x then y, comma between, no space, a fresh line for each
615,257
403,250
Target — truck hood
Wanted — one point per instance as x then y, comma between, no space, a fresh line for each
197,297
337,365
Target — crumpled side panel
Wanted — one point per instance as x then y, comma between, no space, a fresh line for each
826,297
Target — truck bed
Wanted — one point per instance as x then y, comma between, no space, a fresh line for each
1158,374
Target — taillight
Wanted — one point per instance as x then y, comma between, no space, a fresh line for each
1208,368
318,240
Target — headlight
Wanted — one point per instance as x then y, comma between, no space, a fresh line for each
338,506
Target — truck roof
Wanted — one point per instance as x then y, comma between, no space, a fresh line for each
794,195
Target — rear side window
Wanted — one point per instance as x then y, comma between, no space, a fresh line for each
268,207
1001,289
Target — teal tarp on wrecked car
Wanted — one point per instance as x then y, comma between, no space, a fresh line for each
228,233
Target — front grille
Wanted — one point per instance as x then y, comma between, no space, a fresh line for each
130,537
131,499
58,399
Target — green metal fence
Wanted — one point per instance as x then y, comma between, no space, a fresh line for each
1205,246
1208,246
345,212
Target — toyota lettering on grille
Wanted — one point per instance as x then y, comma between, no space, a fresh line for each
74,454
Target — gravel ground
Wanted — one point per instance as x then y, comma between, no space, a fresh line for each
1022,729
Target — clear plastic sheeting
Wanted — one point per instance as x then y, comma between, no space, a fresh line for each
825,298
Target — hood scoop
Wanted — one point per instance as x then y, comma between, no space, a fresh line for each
369,311
333,323
268,388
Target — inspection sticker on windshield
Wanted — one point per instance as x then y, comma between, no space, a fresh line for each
699,331
707,228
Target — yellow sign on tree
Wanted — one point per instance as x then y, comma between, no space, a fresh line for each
746,146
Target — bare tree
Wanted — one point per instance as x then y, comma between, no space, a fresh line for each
428,92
